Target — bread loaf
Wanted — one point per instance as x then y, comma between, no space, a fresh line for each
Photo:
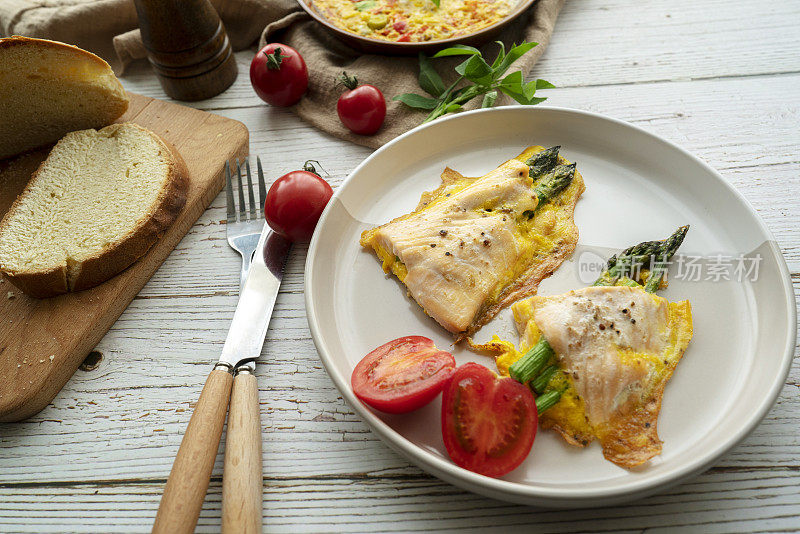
49,88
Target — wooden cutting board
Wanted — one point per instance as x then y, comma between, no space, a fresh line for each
42,342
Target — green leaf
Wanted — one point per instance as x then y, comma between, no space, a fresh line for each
416,101
512,82
529,89
500,55
458,50
364,5
521,92
514,86
451,108
514,54
544,84
476,70
429,79
435,2
489,99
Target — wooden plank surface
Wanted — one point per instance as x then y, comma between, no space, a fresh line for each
43,341
721,79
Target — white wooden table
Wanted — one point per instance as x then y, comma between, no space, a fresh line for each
720,78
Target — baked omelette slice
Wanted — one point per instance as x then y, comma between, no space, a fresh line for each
617,347
475,245
603,354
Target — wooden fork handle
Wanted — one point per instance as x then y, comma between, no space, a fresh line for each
242,479
188,481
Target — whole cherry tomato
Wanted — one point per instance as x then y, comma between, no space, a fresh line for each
295,201
279,75
402,375
362,108
488,423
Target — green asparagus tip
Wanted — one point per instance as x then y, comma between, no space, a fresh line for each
640,255
558,180
543,162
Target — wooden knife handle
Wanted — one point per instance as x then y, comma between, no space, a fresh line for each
188,481
242,479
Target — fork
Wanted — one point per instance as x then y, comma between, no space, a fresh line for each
242,473
244,226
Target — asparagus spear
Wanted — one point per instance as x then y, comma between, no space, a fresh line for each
543,162
554,183
659,252
532,363
547,400
529,366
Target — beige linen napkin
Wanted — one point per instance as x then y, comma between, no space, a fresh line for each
108,28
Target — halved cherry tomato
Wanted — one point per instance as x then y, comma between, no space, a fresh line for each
488,423
295,201
402,375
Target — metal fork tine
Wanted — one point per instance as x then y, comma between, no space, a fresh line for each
242,207
253,210
262,188
229,194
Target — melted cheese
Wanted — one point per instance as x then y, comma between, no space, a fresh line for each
473,245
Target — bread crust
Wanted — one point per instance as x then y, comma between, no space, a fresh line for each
19,40
120,255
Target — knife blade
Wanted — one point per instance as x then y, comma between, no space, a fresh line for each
254,310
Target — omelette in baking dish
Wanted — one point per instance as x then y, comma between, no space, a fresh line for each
413,20
475,245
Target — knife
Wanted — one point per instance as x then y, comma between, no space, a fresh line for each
191,472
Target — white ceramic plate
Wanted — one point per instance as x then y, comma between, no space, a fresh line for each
638,187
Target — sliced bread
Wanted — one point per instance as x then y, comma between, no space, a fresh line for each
98,202
49,88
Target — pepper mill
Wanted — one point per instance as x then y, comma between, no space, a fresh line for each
187,46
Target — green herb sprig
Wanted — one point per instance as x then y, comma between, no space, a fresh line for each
481,77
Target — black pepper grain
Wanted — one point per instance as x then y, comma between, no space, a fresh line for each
433,245
485,242
602,327
447,254
442,233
